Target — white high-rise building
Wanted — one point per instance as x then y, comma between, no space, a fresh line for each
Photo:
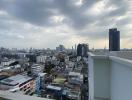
36,69
41,59
7,62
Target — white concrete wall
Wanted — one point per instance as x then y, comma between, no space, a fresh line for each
102,78
121,81
110,78
91,78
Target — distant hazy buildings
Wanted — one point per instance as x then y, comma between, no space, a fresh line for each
82,50
60,48
114,40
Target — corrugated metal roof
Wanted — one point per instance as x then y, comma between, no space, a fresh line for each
18,79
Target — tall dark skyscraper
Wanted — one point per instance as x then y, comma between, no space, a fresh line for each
82,50
79,50
114,39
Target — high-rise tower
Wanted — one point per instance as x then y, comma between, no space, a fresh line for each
114,39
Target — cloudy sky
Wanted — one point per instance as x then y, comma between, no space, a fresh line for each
48,23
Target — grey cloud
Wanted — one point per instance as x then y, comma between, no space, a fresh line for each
39,12
32,11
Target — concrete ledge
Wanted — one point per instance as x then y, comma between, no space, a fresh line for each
17,96
99,98
98,56
121,60
113,58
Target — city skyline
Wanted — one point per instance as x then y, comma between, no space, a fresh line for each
48,23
